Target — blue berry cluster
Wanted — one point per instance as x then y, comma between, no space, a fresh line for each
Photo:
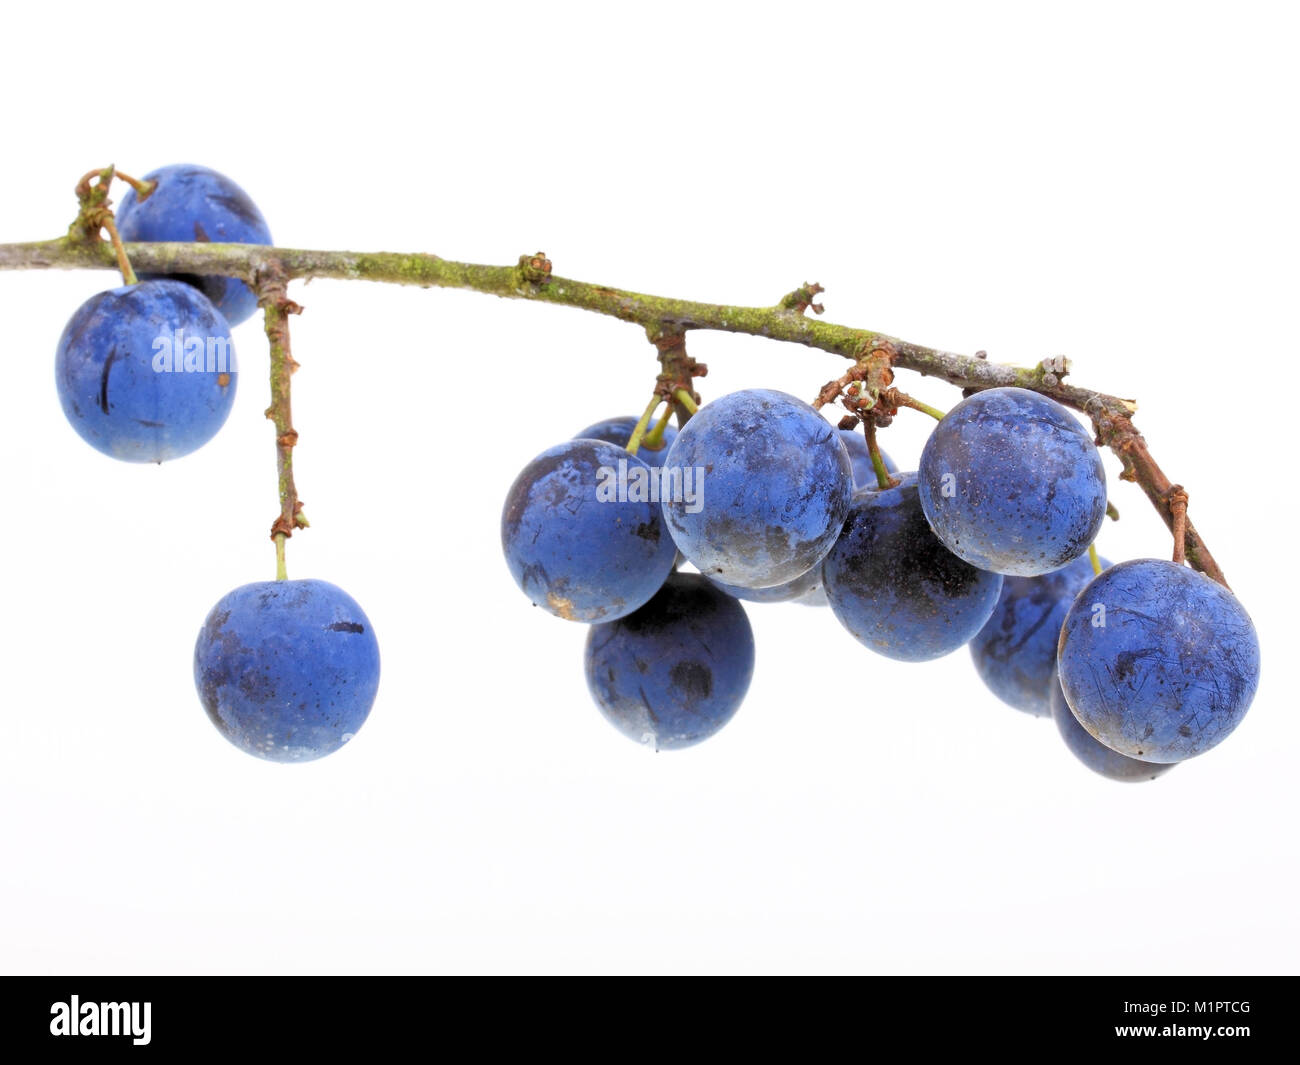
987,545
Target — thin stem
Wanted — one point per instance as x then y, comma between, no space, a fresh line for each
143,189
1094,559
281,570
654,439
902,399
119,249
1178,512
686,400
883,479
276,307
634,441
83,187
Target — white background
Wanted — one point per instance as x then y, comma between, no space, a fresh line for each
1115,182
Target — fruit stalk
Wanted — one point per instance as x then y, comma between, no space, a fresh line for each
685,399
95,214
901,399
272,289
123,262
1111,415
638,431
883,479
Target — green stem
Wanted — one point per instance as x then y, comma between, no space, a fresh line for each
883,479
905,400
654,439
634,441
686,400
143,189
1094,559
281,570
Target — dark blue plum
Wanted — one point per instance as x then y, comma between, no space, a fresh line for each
674,672
864,474
776,485
619,431
1097,756
287,670
805,587
1012,483
576,543
126,381
1015,652
193,203
1157,661
895,587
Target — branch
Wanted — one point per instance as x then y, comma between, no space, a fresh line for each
531,279
271,288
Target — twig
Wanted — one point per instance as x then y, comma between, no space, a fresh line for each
272,296
1177,503
801,299
532,279
676,382
1117,432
